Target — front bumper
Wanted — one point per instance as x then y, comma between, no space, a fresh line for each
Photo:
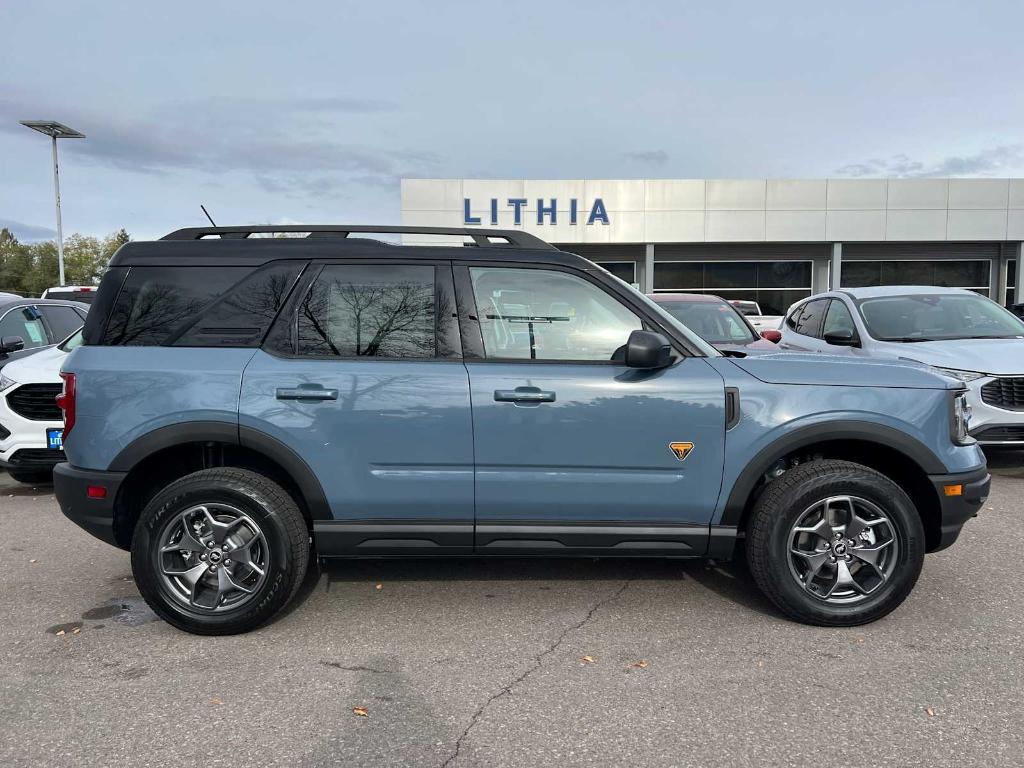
96,516
991,425
957,509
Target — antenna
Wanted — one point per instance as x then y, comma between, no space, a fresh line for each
207,214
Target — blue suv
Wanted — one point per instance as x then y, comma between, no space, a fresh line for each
242,405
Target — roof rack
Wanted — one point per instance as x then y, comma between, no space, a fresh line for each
481,237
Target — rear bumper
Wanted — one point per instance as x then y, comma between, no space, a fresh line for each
93,515
958,509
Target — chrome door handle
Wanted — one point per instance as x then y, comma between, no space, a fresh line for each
526,395
306,393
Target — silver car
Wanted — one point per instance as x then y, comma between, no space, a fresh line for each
955,330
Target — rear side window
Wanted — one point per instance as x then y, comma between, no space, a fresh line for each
363,310
808,322
157,303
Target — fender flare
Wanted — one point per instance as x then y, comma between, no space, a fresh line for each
863,431
233,434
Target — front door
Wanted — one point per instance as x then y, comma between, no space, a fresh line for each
363,381
575,452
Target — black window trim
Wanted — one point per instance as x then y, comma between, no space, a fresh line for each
283,332
472,336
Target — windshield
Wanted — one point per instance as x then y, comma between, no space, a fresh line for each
717,322
71,342
938,317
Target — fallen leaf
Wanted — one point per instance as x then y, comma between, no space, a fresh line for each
929,711
76,630
360,712
379,586
587,659
60,632
33,561
215,700
642,664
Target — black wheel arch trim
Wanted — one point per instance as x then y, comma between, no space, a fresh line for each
863,431
233,434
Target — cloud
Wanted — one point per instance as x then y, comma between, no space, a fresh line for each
288,146
648,156
28,232
1006,159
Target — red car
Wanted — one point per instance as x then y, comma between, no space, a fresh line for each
716,321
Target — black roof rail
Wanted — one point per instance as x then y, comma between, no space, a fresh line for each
481,237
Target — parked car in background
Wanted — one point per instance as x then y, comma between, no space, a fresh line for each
242,407
715,320
28,325
959,332
752,311
31,423
82,293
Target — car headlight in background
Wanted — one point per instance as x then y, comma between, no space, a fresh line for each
960,422
964,376
6,383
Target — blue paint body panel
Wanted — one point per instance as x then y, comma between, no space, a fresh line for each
396,444
600,452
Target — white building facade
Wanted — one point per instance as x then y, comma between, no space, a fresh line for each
771,240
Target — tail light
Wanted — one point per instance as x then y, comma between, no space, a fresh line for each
66,402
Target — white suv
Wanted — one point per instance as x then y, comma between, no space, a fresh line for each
31,424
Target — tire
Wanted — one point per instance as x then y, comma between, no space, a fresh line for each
239,505
782,551
31,476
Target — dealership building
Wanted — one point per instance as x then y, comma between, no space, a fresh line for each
771,240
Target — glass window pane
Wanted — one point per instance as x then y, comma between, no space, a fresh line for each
1011,273
907,273
369,311
730,274
809,323
678,275
624,270
63,321
962,274
861,274
838,318
784,274
27,323
542,314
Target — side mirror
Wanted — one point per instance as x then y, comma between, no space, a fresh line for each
841,338
646,349
772,335
10,344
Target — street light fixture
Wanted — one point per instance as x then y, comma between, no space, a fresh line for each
55,131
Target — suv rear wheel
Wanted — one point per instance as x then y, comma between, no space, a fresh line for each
835,543
220,551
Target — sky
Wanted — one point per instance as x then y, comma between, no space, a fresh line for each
311,111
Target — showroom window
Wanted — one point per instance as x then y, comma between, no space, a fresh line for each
624,270
1011,282
972,274
774,285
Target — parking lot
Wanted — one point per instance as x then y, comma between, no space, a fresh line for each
509,662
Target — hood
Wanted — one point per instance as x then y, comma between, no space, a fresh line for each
1002,357
832,370
41,368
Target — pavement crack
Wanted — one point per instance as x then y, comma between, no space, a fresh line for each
538,661
356,668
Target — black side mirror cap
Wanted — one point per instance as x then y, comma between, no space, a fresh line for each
10,344
841,338
649,350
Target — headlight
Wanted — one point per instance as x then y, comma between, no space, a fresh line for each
6,383
964,376
960,420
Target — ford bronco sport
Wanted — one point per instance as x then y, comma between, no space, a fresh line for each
241,405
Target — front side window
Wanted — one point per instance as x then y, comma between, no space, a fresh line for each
715,321
369,311
63,320
838,319
541,314
938,317
26,323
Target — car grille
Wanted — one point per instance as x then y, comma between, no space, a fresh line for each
36,457
36,402
1013,433
1005,393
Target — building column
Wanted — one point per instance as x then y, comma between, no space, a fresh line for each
836,269
647,286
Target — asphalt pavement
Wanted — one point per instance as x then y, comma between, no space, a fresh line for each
510,663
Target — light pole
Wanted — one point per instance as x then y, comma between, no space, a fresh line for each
55,131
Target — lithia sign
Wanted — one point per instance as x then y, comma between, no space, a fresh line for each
546,214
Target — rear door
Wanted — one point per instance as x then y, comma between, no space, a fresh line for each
362,378
575,452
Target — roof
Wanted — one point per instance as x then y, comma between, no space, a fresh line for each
900,290
691,298
232,246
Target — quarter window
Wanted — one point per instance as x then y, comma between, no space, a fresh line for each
541,314
369,311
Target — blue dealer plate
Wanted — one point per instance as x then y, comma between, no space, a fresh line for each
54,439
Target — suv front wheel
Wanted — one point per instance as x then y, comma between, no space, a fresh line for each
835,543
220,551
